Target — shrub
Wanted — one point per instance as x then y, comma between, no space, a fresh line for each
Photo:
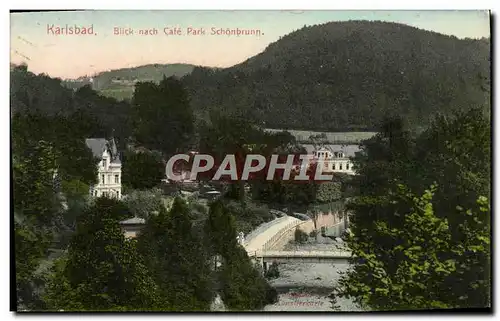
300,236
144,203
273,271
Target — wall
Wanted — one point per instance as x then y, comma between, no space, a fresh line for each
328,220
131,231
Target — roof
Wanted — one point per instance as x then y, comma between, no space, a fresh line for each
99,145
348,150
96,145
133,220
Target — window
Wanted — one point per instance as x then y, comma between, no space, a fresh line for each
117,180
102,179
105,194
333,166
104,163
340,166
347,166
95,193
117,194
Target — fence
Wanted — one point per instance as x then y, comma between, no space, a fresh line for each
287,228
292,254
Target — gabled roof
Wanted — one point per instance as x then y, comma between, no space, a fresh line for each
133,220
348,150
99,145
96,145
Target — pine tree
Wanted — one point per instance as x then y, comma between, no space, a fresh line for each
102,271
177,260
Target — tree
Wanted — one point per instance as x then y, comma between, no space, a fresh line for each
453,152
142,170
103,270
415,273
220,229
243,286
177,260
144,203
300,236
325,86
163,119
456,153
35,210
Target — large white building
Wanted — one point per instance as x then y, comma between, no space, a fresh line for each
334,160
109,180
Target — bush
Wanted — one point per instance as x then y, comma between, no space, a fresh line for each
300,236
249,216
328,192
313,233
242,286
273,271
144,203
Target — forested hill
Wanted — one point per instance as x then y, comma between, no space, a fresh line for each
348,76
120,83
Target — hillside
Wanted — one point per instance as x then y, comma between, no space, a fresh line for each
120,83
349,76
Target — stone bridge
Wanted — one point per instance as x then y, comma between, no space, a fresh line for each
264,245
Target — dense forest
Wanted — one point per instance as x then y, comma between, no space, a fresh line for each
343,76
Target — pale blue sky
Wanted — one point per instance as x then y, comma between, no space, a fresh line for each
70,56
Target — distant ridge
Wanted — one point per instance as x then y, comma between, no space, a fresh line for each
119,83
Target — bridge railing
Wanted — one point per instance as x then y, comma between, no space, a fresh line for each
276,237
285,254
262,228
304,253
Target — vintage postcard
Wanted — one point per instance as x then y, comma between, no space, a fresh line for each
182,161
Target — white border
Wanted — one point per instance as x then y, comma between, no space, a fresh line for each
191,5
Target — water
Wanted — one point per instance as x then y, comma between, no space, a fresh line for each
306,286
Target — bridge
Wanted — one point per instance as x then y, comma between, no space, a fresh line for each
303,256
263,244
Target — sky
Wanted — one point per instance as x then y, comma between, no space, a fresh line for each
72,56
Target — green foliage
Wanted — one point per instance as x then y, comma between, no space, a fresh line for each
273,272
329,191
243,286
248,215
36,208
300,236
71,157
120,83
142,170
162,117
415,273
434,253
347,76
103,271
177,260
75,189
220,229
97,116
144,203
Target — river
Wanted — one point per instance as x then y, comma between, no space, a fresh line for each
306,286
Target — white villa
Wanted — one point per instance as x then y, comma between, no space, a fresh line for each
109,168
334,160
